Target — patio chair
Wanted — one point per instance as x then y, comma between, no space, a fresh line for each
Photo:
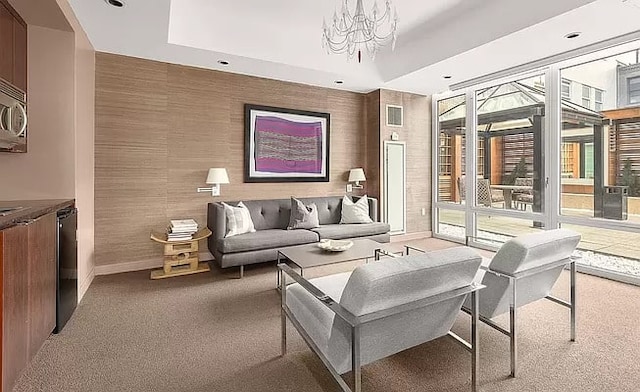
485,195
461,189
381,308
522,199
524,270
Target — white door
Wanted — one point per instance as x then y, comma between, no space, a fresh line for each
395,199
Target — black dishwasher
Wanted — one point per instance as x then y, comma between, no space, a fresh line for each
67,267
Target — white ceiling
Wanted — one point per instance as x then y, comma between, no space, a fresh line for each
280,39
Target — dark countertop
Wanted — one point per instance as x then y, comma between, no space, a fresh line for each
32,209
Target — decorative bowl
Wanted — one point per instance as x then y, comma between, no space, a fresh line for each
335,245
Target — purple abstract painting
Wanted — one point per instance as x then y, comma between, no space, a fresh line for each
284,146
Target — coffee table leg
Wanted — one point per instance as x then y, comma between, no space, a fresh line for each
278,272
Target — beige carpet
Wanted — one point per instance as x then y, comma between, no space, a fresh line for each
210,332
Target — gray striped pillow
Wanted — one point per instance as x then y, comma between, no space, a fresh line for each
238,219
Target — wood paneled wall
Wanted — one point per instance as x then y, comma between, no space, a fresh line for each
160,127
373,145
416,132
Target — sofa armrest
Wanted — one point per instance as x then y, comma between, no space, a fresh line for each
373,208
217,223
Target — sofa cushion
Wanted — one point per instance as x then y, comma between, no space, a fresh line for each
357,212
340,231
266,239
532,250
238,220
269,214
329,208
303,216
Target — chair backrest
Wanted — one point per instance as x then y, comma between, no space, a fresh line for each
535,249
483,188
523,181
521,254
394,282
461,188
484,192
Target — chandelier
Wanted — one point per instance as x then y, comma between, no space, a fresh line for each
350,33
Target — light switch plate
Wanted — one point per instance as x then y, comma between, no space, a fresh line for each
349,188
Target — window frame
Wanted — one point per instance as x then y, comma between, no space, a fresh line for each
567,83
598,103
636,90
586,99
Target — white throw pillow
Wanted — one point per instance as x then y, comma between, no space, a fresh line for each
357,212
238,220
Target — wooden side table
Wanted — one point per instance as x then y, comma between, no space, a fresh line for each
180,257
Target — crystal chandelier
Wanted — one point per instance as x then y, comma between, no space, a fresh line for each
349,33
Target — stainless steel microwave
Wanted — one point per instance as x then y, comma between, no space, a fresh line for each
13,118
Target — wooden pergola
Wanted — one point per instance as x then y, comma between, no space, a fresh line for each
517,109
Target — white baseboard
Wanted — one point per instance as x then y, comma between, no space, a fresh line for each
411,236
86,282
118,268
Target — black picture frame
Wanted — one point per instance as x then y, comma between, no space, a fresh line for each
252,173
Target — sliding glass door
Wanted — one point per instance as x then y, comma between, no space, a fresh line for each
555,148
599,193
449,150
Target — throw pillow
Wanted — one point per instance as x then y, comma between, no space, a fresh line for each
303,216
238,220
357,212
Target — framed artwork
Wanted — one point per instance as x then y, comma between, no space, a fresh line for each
285,145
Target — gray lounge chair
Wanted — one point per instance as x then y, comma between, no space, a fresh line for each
524,270
382,308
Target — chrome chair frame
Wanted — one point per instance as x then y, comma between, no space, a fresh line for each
512,332
356,322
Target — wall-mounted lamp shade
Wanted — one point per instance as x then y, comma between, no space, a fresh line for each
357,175
217,175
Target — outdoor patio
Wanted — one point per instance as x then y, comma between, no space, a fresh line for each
613,250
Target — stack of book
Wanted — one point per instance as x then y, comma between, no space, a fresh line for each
182,230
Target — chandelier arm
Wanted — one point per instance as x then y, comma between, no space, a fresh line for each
361,31
386,15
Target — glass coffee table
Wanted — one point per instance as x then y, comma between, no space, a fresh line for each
310,255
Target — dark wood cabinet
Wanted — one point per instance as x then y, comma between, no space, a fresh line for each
13,47
6,44
28,265
42,281
20,55
15,297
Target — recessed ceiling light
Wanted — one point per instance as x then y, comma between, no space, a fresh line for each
116,3
447,76
572,35
338,82
222,62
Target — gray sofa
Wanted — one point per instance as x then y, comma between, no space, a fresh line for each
271,218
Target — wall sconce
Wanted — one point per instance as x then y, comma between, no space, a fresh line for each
216,176
356,175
